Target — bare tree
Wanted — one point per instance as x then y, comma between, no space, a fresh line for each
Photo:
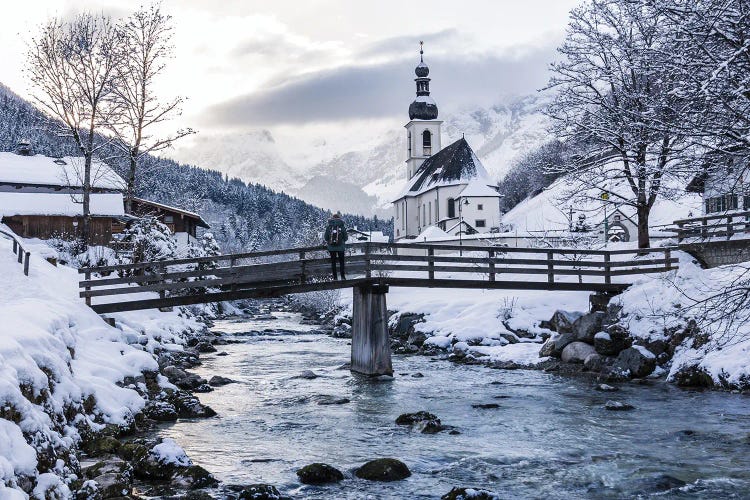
146,46
71,65
616,106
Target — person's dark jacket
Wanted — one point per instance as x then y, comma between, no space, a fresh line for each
334,222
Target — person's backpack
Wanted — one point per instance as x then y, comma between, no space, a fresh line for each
334,236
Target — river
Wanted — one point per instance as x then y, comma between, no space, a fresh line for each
550,436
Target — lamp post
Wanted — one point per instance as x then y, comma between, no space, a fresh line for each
460,225
605,198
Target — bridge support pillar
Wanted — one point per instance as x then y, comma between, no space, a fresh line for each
371,347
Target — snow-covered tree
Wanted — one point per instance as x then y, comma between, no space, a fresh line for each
151,241
144,48
616,105
72,66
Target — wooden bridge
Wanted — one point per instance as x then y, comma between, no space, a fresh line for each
371,268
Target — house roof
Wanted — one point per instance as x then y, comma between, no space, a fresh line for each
453,165
478,188
40,170
199,220
61,204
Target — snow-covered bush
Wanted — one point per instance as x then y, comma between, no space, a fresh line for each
151,241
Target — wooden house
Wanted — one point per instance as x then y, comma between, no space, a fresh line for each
41,196
182,223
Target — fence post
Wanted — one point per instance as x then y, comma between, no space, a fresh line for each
550,267
430,263
607,269
491,254
302,278
20,253
15,246
26,263
667,257
87,276
729,227
159,272
680,232
704,228
368,265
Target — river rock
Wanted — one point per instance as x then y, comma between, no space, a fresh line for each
554,346
618,406
161,411
383,469
606,388
195,477
101,445
260,492
486,406
469,494
113,465
417,375
218,380
333,400
692,376
416,338
188,406
191,382
594,362
612,341
319,473
658,483
576,352
308,375
112,485
562,321
426,422
636,360
587,325
174,374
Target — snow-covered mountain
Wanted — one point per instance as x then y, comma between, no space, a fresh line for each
366,180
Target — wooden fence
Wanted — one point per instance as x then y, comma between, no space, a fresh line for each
724,226
23,255
235,276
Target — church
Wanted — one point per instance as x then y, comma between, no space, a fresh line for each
448,192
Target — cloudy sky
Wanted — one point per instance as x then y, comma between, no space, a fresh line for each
325,64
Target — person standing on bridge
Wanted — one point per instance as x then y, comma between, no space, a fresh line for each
335,238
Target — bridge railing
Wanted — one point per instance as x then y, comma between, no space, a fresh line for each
722,226
400,264
23,255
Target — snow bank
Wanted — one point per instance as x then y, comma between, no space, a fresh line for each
60,366
658,308
168,452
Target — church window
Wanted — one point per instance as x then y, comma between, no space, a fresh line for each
424,216
480,207
408,144
426,143
429,211
480,223
451,208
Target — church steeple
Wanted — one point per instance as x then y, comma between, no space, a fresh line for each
424,106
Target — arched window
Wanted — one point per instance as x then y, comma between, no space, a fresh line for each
426,143
408,144
451,208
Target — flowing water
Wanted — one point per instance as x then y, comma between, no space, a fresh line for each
550,436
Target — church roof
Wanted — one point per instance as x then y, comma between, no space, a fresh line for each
454,164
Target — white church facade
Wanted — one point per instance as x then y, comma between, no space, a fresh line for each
448,192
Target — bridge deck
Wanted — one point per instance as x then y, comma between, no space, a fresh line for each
298,270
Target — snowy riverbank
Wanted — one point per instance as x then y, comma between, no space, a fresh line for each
66,375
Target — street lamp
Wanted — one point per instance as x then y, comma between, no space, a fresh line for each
460,226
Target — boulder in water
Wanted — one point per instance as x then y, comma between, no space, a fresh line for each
587,325
576,352
637,360
218,380
195,477
260,492
469,494
426,422
308,375
562,321
319,473
618,406
486,406
383,469
606,388
612,341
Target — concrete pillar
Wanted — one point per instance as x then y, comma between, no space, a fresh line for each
371,347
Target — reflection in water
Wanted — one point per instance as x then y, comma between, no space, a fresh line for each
549,437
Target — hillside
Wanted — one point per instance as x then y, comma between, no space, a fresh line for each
243,216
365,180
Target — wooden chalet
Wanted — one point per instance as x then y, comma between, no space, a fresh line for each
182,223
41,197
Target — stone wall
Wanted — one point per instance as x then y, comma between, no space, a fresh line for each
718,253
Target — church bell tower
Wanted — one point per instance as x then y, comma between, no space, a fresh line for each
423,129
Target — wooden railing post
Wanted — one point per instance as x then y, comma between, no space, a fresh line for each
607,268
550,267
15,246
159,273
491,254
704,228
26,263
368,264
87,276
303,277
680,231
431,263
730,231
668,257
20,253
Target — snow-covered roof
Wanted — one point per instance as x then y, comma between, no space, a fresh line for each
102,204
428,234
47,171
478,187
453,165
200,221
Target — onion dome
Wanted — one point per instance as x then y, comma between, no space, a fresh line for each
424,106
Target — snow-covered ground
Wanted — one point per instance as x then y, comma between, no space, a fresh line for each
57,357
